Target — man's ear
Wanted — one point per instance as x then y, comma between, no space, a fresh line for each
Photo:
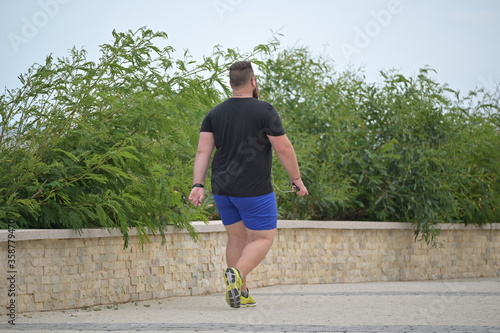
253,81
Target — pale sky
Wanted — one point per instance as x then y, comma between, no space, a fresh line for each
460,39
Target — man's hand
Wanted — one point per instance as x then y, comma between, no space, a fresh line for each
197,195
302,188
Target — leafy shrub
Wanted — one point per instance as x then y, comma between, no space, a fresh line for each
405,149
105,144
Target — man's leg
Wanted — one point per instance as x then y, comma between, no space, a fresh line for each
258,245
247,248
237,239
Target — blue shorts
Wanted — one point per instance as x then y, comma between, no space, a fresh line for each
257,213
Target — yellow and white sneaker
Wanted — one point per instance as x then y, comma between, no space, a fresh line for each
248,300
233,281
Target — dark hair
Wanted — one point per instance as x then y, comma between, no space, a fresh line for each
240,73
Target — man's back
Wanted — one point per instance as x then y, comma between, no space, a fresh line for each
242,163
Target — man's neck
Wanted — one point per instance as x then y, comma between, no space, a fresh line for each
243,92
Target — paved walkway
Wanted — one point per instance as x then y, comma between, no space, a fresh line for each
471,305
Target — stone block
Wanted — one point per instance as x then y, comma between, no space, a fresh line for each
41,297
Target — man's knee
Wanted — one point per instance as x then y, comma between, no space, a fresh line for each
268,235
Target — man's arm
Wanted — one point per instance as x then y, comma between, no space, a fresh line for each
286,154
206,146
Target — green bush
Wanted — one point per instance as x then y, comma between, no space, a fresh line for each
404,149
106,144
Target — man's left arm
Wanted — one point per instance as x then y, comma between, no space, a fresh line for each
206,146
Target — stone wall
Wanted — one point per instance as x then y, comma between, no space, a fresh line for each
60,269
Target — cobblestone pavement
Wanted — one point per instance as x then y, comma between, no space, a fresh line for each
470,305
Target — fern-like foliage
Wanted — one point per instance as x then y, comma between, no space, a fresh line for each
404,149
108,144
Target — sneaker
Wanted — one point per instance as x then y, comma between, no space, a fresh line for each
248,300
233,281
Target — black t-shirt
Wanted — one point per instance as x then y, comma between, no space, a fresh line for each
241,166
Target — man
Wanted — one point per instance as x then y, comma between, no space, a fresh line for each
243,130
